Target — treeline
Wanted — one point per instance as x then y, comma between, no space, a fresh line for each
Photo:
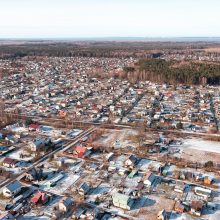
95,49
161,71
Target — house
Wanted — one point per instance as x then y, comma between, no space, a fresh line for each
109,156
53,181
10,163
93,167
65,204
83,189
122,201
34,127
196,207
37,144
60,161
6,216
80,151
12,189
62,114
132,174
162,215
131,161
179,187
149,179
78,213
40,197
34,174
208,180
122,171
156,167
179,207
112,168
205,193
11,138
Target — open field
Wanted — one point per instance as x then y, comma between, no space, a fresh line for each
202,145
213,50
198,150
154,204
117,138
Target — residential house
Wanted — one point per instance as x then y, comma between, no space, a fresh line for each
60,161
196,207
37,144
9,162
122,201
34,127
6,216
78,213
179,207
65,204
79,151
12,189
40,197
149,179
131,161
208,180
62,114
205,193
122,171
83,189
162,215
179,187
34,174
132,174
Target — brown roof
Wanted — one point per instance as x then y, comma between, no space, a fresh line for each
8,160
197,205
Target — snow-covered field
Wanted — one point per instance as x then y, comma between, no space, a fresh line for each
202,145
117,138
16,155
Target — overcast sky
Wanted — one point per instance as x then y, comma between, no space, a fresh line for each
109,18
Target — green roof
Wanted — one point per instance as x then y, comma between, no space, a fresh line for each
120,198
132,173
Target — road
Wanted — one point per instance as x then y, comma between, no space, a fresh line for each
212,107
106,125
46,156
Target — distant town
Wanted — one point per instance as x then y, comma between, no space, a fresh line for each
110,130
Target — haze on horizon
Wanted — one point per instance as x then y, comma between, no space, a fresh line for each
109,18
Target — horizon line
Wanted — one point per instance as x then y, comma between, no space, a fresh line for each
106,37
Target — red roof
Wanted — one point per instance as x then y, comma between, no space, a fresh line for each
34,126
80,151
36,197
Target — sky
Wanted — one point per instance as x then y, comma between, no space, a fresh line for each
109,18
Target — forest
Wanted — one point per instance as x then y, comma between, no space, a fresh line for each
175,72
19,49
